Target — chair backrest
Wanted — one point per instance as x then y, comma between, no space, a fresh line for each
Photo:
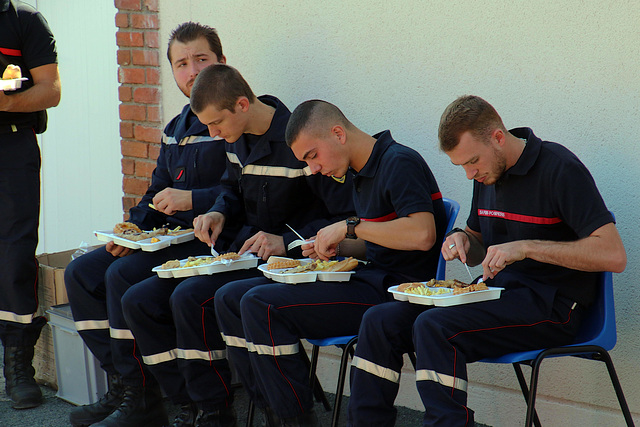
451,208
599,324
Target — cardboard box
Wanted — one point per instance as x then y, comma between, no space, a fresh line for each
81,381
51,291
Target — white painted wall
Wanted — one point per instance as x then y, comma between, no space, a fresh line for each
567,69
81,160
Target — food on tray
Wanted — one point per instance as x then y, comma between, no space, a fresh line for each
422,288
154,240
471,288
122,227
12,72
283,263
229,255
325,266
174,263
194,262
178,231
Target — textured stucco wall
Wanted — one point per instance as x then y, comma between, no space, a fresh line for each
567,69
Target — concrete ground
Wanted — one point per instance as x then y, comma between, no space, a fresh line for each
54,412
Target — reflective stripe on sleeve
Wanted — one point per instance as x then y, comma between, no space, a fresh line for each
87,325
193,354
445,380
377,370
232,341
264,170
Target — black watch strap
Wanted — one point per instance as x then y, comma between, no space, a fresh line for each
454,231
352,221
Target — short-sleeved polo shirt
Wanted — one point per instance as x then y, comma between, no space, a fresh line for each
27,41
547,195
394,183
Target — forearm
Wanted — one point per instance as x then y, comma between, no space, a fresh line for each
45,92
593,253
415,232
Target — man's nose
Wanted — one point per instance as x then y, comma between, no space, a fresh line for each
213,132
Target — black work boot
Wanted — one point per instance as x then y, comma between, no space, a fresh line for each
140,407
84,416
186,417
20,385
225,417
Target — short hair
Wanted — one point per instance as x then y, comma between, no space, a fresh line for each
190,31
315,116
219,85
467,113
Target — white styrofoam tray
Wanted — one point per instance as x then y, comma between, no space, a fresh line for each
448,299
12,84
247,260
277,275
146,244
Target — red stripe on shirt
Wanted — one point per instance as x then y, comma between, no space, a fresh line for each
517,217
11,52
393,215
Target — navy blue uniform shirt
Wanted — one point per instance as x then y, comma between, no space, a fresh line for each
547,195
27,41
394,183
265,182
189,159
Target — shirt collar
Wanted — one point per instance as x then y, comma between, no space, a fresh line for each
383,141
4,5
530,153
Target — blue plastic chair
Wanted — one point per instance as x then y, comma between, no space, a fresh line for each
347,343
596,337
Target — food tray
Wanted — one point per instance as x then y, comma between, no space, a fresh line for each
446,300
306,277
12,84
145,245
246,261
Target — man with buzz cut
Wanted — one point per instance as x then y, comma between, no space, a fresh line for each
266,188
184,184
534,235
401,218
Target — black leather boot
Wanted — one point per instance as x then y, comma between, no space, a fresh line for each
225,417
84,416
186,417
140,407
20,385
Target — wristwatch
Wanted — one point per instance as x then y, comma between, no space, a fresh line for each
352,221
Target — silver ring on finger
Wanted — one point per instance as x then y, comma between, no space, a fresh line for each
451,246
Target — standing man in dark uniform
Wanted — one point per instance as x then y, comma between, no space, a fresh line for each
26,41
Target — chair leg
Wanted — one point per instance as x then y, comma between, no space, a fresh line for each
318,392
617,387
250,413
526,394
347,352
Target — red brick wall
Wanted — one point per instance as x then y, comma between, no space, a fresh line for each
139,93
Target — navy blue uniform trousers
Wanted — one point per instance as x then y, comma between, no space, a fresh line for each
20,201
263,322
445,339
174,324
95,283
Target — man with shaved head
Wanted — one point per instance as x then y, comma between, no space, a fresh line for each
400,217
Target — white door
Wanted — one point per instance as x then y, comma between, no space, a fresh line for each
81,158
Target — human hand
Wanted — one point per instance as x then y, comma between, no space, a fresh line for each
117,250
264,245
328,238
308,249
171,200
499,256
456,246
207,227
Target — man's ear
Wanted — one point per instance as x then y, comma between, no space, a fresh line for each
499,136
243,103
222,60
339,133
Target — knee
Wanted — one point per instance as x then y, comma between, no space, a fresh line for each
182,298
131,300
228,297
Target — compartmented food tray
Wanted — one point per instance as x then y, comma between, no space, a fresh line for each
246,261
11,84
146,244
446,299
305,277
